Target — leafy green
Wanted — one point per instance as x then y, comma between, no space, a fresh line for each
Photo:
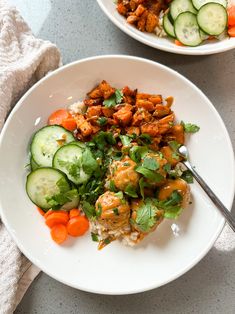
88,209
146,216
115,210
187,176
110,102
58,200
115,99
102,121
142,185
103,139
112,186
73,167
167,168
89,164
119,195
131,191
172,205
62,184
150,163
126,139
145,139
94,237
136,153
174,145
189,127
149,174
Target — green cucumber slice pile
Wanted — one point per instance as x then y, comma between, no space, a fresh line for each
192,21
58,164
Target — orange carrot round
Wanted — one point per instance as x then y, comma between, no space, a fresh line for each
51,211
77,226
74,213
58,116
41,212
231,31
57,218
231,16
59,233
69,124
178,43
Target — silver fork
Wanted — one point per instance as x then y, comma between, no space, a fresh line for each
224,211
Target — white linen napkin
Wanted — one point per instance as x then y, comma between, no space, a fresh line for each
24,59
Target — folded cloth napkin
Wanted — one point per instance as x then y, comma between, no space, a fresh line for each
24,59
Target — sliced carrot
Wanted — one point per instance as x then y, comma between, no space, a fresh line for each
40,211
74,213
58,116
59,233
211,38
51,211
231,16
231,31
178,43
57,218
69,124
77,226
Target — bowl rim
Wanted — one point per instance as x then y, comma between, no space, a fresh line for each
220,226
176,49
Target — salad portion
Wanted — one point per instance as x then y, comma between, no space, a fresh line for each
110,163
187,22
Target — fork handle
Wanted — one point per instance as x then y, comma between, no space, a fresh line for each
224,211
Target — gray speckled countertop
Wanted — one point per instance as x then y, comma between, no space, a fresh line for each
80,29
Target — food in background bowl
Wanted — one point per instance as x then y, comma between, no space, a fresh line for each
187,22
111,161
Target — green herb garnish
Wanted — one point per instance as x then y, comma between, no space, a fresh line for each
58,200
150,163
94,237
136,153
88,209
126,139
149,174
189,127
102,121
115,210
187,176
115,99
131,191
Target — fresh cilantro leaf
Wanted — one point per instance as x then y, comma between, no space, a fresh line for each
99,211
88,209
115,210
149,174
62,184
145,139
172,205
187,176
73,167
190,128
107,241
112,186
167,167
150,163
146,216
119,195
174,145
131,191
175,156
89,164
126,164
143,184
103,139
126,139
115,99
94,237
58,200
119,96
102,121
110,102
136,153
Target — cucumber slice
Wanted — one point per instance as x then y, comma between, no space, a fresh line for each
187,30
199,3
69,160
47,141
33,164
212,18
168,27
179,6
43,183
78,143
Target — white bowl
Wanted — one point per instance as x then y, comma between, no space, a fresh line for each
167,253
165,44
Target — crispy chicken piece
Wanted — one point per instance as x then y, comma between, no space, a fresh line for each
83,125
102,90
